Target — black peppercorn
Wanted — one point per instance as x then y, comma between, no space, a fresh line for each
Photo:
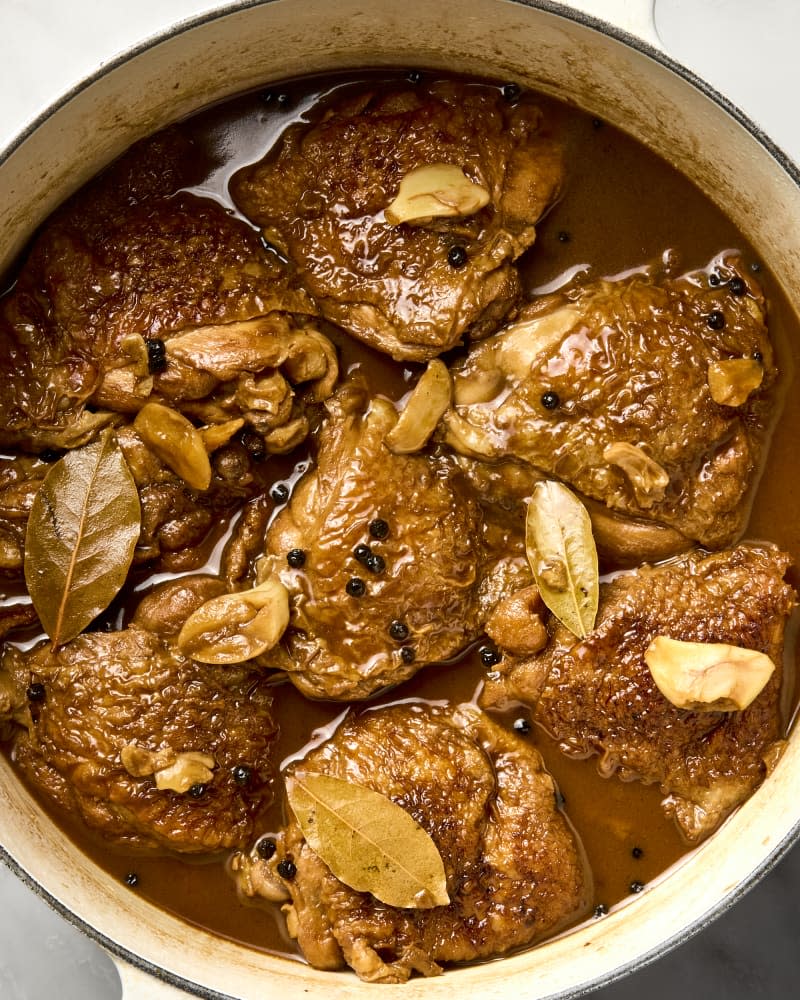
522,726
287,869
637,852
356,587
714,279
197,791
407,654
511,91
156,356
378,528
755,267
132,879
253,444
280,493
266,848
564,236
362,553
296,558
457,256
489,656
715,320
758,356
737,286
35,692
600,910
414,76
636,887
376,564
398,630
550,400
241,774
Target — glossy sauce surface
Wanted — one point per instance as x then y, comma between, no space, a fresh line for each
622,208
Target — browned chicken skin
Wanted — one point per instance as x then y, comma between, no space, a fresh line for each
513,864
424,585
321,198
597,695
88,701
128,261
608,389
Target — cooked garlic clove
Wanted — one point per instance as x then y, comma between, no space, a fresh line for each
216,435
423,411
188,769
234,628
707,676
176,442
731,382
648,479
438,190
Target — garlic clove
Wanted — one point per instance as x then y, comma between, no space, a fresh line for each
176,442
237,627
707,676
437,190
425,407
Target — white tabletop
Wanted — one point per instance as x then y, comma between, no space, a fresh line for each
747,50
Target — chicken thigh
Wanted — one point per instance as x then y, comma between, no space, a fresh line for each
650,397
514,867
598,696
387,559
150,748
410,281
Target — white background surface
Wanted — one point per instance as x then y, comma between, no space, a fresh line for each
749,50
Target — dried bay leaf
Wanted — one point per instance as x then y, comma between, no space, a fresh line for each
82,531
563,556
367,841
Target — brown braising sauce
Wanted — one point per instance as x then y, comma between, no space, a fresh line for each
622,208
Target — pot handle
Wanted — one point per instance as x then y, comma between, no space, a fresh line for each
139,985
637,17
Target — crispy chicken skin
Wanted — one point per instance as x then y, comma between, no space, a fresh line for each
104,692
608,388
126,261
321,198
514,867
597,695
440,567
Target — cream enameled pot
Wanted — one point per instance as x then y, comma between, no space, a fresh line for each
600,54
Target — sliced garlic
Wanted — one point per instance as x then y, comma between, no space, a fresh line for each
176,442
234,628
731,382
707,676
437,190
423,411
187,770
648,479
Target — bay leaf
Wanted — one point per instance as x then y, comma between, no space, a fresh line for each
367,841
563,556
82,531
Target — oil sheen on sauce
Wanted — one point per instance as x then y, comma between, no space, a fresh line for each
622,208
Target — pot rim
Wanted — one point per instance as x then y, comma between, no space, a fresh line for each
782,159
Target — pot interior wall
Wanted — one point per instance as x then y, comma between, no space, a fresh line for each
250,46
